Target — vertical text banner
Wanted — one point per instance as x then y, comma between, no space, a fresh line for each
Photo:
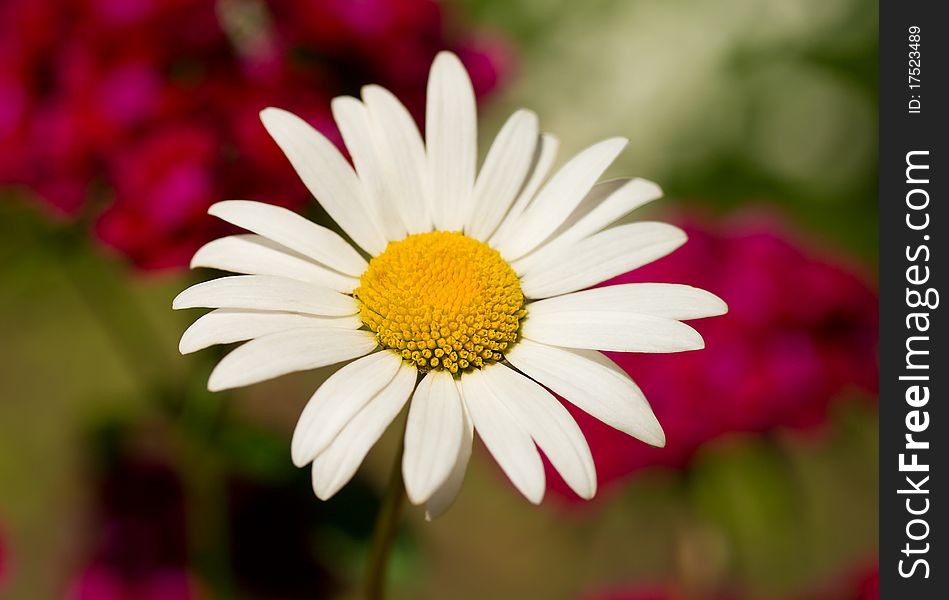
914,369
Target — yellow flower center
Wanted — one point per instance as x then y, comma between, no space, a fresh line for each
442,300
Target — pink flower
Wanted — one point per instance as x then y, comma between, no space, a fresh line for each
165,181
102,582
858,584
801,332
4,561
651,592
69,100
388,42
867,584
863,584
139,549
75,113
163,187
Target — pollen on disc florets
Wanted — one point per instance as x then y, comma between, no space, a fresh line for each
442,300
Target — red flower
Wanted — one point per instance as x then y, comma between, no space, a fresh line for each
801,331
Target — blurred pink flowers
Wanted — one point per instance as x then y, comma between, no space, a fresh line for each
866,585
151,106
657,592
4,561
140,549
863,584
101,582
800,332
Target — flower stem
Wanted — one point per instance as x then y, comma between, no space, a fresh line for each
387,525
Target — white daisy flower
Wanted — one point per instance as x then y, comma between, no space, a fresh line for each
469,304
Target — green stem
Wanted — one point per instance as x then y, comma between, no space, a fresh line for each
387,525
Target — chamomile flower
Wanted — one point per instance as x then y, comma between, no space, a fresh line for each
463,293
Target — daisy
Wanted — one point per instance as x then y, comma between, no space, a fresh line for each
459,291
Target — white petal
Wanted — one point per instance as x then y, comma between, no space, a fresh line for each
506,439
445,496
669,300
402,153
226,326
620,332
326,174
606,203
288,351
294,231
338,400
354,123
433,435
264,292
560,196
549,424
503,174
335,466
544,157
451,141
600,257
592,383
256,255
